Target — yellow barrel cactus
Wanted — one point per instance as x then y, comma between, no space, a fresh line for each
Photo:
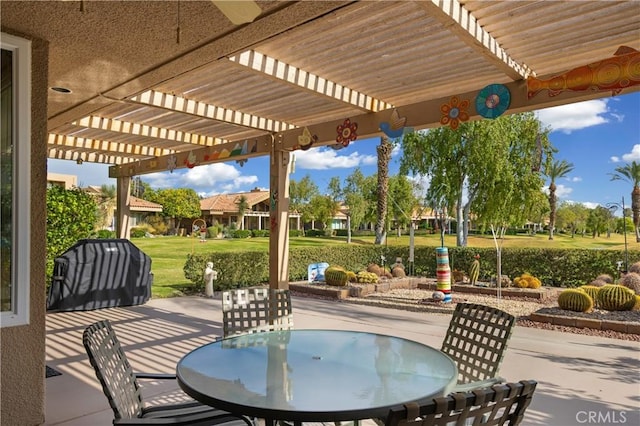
527,281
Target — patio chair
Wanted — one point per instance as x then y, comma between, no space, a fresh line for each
500,404
476,340
120,385
253,310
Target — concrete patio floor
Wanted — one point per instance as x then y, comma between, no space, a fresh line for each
582,379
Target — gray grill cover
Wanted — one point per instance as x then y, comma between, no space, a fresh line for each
96,274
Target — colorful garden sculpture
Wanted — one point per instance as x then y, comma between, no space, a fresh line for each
443,273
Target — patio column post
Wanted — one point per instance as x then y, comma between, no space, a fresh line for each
123,190
279,219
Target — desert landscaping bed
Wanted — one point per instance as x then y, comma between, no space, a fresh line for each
533,308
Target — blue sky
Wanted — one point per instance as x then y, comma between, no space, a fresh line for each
596,136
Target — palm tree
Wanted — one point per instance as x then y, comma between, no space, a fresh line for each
243,205
106,201
555,170
631,173
384,156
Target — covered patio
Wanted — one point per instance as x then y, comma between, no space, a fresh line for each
577,374
159,85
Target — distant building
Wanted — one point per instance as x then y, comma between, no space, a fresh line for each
223,209
65,181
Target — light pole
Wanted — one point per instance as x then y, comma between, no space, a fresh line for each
613,207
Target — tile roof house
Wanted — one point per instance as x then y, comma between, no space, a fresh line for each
223,209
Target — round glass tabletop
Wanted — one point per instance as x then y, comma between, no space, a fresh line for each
315,375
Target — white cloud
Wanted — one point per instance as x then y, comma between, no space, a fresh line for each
575,179
205,180
634,155
590,205
562,191
615,159
328,158
570,117
397,148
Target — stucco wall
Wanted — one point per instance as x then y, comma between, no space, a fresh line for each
22,349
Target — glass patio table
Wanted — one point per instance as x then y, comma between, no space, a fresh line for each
315,375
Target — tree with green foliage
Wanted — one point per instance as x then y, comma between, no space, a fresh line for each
631,173
402,202
572,216
71,216
243,205
384,157
471,161
324,209
555,170
177,203
598,220
354,200
300,195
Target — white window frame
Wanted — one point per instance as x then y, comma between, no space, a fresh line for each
21,188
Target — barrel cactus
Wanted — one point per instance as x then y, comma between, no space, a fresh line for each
351,277
527,281
367,277
636,306
398,272
635,267
598,283
613,297
608,279
575,299
631,280
592,291
336,275
376,269
474,272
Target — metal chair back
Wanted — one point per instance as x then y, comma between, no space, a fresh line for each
252,310
113,370
477,339
501,404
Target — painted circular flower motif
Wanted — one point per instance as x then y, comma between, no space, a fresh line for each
454,112
347,132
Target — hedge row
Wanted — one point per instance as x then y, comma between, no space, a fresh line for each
554,267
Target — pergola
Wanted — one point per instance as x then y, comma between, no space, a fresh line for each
161,85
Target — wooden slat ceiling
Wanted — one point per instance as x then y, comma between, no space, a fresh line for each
139,97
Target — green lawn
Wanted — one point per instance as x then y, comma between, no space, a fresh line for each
169,254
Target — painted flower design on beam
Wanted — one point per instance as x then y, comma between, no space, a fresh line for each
454,112
347,132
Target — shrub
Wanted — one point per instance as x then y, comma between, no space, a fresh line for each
296,233
576,300
259,232
239,233
613,297
138,232
157,223
631,280
104,234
